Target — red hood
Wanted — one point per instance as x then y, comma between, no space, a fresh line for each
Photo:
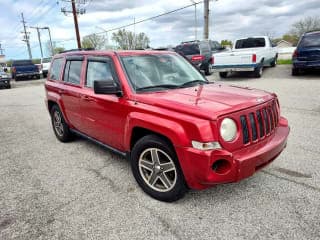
207,101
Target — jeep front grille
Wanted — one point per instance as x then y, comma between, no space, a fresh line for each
259,123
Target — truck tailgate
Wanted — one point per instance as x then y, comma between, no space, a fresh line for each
233,58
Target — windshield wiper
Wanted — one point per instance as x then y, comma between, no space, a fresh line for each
193,83
168,86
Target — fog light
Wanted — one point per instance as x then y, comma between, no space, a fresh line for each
221,166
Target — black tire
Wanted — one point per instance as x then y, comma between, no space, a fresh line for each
258,71
38,76
223,74
274,62
62,130
8,86
17,79
295,72
208,70
151,145
45,75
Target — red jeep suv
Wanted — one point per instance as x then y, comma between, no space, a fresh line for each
178,130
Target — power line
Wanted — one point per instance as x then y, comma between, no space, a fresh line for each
150,18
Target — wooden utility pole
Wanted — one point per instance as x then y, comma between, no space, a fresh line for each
75,18
206,20
26,36
39,38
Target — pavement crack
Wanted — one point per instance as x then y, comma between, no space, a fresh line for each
291,180
292,173
97,172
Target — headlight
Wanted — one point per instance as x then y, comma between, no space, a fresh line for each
228,129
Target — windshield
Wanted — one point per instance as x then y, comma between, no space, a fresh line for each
152,72
311,41
250,43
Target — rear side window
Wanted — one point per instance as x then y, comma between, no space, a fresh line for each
56,69
250,43
188,49
72,72
98,71
310,41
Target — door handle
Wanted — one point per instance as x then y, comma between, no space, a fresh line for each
87,98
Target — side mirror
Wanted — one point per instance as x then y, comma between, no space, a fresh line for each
106,87
274,45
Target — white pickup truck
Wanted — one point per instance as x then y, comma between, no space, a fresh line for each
247,55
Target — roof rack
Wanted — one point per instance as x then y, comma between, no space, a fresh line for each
77,49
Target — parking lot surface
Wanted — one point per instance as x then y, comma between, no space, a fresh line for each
78,190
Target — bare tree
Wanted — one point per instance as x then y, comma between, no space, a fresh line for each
305,25
128,40
94,41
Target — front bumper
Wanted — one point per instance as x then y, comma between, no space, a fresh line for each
235,68
243,163
4,82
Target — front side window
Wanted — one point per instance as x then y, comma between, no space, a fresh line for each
98,71
151,72
72,72
56,69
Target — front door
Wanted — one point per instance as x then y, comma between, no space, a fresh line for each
102,115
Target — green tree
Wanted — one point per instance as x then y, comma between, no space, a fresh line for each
226,43
94,41
56,49
291,38
127,40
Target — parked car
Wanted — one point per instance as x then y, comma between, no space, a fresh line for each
179,130
200,53
4,79
307,54
247,55
45,65
24,69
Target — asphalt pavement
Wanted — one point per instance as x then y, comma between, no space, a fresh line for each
78,190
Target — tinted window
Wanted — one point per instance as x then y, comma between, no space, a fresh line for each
205,47
188,49
22,63
98,71
56,69
310,41
250,43
72,72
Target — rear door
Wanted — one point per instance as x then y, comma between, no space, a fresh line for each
70,93
103,115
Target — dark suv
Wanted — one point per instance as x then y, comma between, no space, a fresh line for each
200,53
307,54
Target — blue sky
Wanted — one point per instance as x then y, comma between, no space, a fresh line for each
229,19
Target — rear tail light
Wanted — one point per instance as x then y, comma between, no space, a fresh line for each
254,58
197,58
212,60
295,54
